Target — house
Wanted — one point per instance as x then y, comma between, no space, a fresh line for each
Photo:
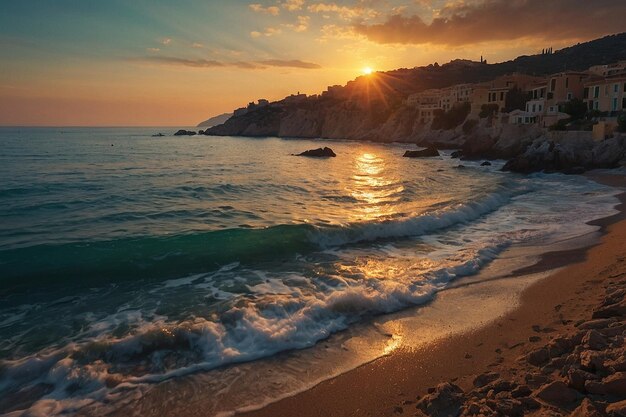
564,87
537,103
608,70
521,117
500,87
606,94
426,102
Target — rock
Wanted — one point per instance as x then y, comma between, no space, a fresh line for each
183,132
576,379
445,401
319,153
424,153
613,310
594,340
586,409
200,132
521,391
538,357
596,324
486,164
556,393
456,154
617,409
484,379
592,361
158,135
559,346
611,385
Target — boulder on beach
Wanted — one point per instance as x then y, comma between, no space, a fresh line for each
424,153
319,153
183,132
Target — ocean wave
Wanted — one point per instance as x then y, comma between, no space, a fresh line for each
158,258
269,323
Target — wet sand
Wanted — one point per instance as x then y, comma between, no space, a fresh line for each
549,309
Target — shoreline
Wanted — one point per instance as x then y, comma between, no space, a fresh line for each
548,308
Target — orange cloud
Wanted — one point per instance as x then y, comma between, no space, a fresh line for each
209,63
463,23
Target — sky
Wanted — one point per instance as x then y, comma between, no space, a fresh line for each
176,63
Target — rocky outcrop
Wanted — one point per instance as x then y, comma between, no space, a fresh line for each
571,156
424,153
318,153
581,374
183,132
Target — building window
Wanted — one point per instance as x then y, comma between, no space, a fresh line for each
502,96
569,96
534,107
566,82
540,107
614,104
624,103
552,84
616,88
595,105
586,92
596,91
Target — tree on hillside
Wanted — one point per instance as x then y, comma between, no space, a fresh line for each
516,99
576,108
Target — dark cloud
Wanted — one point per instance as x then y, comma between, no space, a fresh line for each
207,63
294,63
501,20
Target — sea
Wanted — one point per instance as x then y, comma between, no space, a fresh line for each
129,261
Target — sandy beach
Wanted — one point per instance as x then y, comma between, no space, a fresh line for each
522,353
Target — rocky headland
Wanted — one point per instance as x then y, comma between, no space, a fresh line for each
374,108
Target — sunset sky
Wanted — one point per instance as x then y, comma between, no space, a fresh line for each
157,63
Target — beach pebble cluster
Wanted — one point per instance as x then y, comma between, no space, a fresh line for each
582,374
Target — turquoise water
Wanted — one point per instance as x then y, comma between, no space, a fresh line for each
127,259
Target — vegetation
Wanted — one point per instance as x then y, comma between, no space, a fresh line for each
469,126
560,125
621,122
576,108
452,118
488,110
516,99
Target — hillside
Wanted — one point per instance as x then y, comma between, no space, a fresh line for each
371,107
216,120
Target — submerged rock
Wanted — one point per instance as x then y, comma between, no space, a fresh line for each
486,164
424,153
158,135
319,153
183,132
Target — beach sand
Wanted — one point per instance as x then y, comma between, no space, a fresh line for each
551,309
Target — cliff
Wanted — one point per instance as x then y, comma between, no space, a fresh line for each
217,120
370,107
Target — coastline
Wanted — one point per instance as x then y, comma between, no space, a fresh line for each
548,308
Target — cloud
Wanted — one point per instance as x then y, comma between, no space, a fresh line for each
294,63
166,41
197,45
301,26
153,49
273,10
292,5
462,23
209,63
345,12
268,32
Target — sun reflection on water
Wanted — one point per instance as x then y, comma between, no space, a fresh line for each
376,192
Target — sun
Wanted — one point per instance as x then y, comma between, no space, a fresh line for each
367,70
